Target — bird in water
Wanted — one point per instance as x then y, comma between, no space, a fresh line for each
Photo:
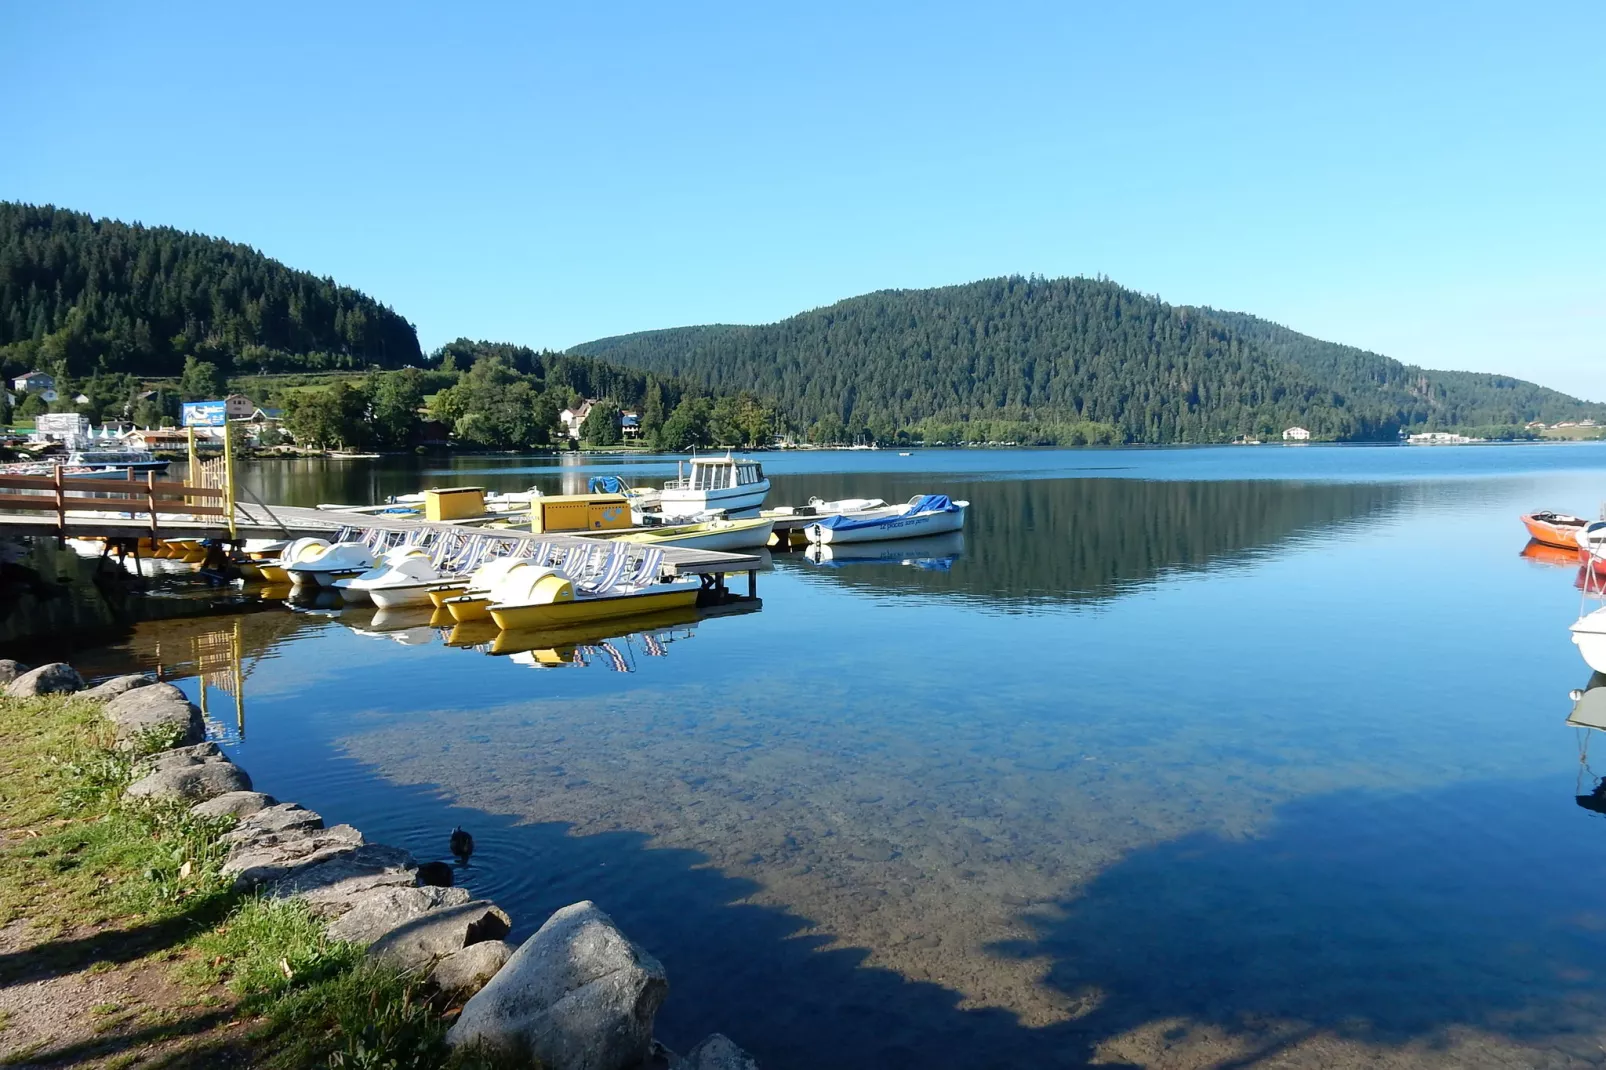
462,844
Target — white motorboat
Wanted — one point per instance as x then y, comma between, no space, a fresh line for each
712,484
402,577
924,514
322,569
1589,633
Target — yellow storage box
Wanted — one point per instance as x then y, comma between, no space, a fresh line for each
454,503
579,512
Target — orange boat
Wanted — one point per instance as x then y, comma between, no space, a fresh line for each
1554,529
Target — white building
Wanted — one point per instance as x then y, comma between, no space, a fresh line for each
573,418
238,407
68,428
1296,434
1440,438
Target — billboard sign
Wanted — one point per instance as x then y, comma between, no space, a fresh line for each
205,414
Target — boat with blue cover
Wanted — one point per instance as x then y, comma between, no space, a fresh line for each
924,514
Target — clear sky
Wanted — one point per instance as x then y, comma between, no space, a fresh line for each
1425,180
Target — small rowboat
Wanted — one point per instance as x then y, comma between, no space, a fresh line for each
1554,529
925,514
708,535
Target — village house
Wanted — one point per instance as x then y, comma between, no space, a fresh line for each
36,383
630,425
571,419
157,438
1296,434
238,407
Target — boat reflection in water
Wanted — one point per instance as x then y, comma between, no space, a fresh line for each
409,626
612,643
933,553
1540,554
1589,713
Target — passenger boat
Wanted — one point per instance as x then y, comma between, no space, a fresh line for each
340,561
544,598
708,535
1554,529
711,484
277,571
114,459
402,577
925,514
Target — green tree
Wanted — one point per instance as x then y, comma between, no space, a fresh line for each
201,381
396,397
687,426
601,425
33,405
5,408
335,416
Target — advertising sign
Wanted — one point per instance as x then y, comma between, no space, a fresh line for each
205,414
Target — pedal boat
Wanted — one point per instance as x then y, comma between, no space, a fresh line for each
545,598
341,561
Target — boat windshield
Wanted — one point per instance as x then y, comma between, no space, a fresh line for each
710,476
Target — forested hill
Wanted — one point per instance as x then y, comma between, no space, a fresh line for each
1063,360
85,295
1418,396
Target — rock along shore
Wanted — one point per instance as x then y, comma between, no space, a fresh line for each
577,995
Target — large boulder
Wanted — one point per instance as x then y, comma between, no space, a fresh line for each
260,862
384,909
10,670
179,757
718,1052
579,995
274,824
196,781
418,944
333,885
462,973
236,804
155,709
110,689
57,678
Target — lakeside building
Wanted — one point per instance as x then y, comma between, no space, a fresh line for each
238,407
36,382
1296,434
571,419
1440,438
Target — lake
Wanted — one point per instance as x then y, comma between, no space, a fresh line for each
1178,758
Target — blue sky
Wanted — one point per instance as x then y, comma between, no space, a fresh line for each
1425,180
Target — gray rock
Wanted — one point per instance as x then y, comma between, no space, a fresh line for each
384,909
233,804
719,1052
54,679
334,885
265,863
465,972
196,782
178,758
579,995
110,689
274,824
155,708
418,944
10,670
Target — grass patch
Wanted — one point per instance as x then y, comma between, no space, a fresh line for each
107,884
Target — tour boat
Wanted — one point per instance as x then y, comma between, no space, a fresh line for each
925,514
114,459
1589,634
544,598
342,560
712,484
402,577
277,571
1554,529
708,535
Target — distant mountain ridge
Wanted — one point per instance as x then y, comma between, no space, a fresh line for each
1052,356
85,295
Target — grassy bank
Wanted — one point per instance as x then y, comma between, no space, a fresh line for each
122,945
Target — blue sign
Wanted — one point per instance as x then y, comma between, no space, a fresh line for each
205,414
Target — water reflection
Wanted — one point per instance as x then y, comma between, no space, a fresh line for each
934,552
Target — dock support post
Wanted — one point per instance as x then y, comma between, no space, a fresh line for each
61,510
752,583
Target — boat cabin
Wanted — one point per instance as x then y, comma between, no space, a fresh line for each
717,473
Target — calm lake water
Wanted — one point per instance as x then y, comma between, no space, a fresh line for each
1198,757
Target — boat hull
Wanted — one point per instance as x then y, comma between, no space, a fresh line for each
1561,535
274,573
466,610
742,535
400,596
731,499
439,593
1589,634
906,527
556,614
318,577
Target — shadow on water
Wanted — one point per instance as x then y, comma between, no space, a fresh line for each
1320,926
